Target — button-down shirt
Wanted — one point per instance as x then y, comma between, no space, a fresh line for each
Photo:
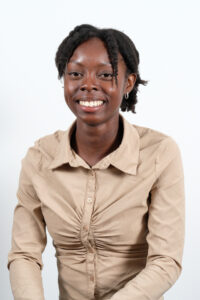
117,227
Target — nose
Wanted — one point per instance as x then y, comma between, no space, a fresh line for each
89,83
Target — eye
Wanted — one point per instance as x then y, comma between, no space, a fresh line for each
106,75
74,74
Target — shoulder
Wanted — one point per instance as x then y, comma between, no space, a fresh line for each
43,149
159,142
47,144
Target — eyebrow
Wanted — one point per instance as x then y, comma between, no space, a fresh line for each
100,64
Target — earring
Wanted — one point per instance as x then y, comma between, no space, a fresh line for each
126,95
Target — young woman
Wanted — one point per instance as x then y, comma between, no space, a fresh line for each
110,193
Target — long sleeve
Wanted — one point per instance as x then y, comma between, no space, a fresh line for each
166,229
28,234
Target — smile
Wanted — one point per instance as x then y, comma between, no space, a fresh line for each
91,103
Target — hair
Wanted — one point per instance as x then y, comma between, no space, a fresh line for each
115,41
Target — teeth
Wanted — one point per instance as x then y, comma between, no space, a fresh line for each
91,103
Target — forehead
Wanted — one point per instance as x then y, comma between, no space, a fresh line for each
92,51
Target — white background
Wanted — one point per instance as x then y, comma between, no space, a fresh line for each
166,34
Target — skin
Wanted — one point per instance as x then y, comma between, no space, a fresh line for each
97,133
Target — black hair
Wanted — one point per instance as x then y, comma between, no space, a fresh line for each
115,41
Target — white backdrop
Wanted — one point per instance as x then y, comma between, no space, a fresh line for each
166,34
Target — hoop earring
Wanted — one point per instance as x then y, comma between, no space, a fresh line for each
126,95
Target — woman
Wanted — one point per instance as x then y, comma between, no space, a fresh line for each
110,193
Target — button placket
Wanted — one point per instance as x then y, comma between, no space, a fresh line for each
91,273
86,234
88,207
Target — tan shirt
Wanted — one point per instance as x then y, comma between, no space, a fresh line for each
117,227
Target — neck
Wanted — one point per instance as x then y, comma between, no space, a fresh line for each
94,142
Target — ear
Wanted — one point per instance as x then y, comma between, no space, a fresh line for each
130,82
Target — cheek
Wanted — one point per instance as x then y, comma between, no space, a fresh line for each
115,92
69,91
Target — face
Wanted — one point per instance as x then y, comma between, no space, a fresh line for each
88,79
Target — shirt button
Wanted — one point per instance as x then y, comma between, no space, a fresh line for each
89,200
90,250
92,277
85,228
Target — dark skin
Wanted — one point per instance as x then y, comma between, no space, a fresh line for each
88,75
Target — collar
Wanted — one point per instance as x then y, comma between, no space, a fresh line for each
125,157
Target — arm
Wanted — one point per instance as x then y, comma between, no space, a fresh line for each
28,235
165,229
